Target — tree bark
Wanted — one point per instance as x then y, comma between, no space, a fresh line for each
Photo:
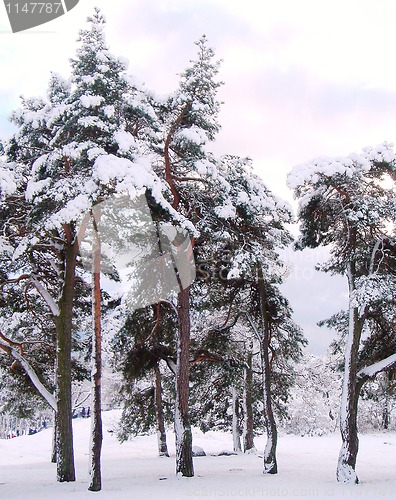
54,440
184,460
54,428
248,427
236,435
159,412
96,375
350,394
63,322
386,416
270,463
386,413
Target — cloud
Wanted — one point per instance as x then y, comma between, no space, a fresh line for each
284,117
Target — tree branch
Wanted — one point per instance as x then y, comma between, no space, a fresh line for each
15,350
9,343
168,167
186,179
34,378
46,296
373,370
15,280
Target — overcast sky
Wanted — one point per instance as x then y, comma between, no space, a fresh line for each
301,79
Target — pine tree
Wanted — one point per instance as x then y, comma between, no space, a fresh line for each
189,120
76,149
349,204
245,230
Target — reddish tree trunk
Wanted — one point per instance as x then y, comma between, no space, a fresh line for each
96,376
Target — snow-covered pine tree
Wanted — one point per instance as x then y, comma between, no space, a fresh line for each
189,121
15,331
107,122
349,204
258,233
246,228
93,120
76,149
30,252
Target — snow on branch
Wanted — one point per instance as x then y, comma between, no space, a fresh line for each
15,350
7,181
373,254
372,288
311,171
171,365
46,296
254,327
34,378
372,370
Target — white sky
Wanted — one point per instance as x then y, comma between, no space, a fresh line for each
302,78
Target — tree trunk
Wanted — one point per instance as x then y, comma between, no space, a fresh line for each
386,414
96,375
184,461
63,322
54,440
236,435
248,426
54,428
270,464
159,413
386,417
350,394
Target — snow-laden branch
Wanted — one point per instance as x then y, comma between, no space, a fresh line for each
171,365
251,322
373,254
46,296
205,355
14,349
33,377
380,366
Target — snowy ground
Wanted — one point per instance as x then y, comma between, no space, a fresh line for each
134,471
